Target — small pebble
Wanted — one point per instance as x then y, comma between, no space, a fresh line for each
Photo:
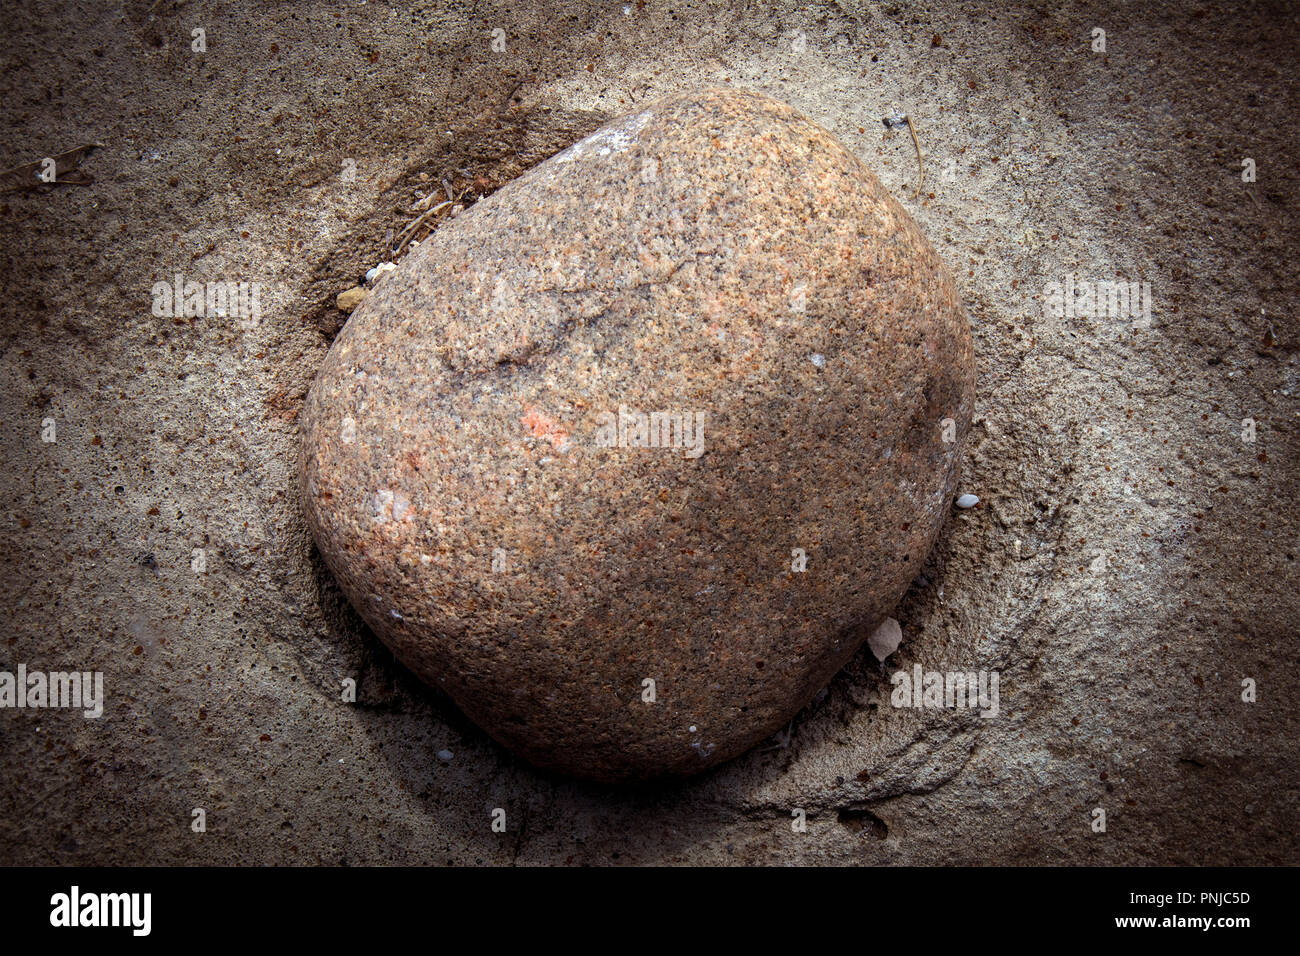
818,359
445,756
967,501
886,638
349,300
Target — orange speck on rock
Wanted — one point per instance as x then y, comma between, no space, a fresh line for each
542,425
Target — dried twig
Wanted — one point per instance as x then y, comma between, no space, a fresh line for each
416,224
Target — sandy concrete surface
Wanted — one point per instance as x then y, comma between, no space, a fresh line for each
1131,564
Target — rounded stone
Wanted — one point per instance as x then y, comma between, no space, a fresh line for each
618,601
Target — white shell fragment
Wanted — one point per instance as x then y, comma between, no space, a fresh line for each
374,274
967,501
886,638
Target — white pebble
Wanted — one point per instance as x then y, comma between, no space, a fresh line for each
818,359
445,756
886,638
967,501
378,271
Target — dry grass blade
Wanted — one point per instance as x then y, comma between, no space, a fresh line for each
419,221
65,172
920,165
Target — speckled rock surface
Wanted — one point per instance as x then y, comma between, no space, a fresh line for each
471,463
